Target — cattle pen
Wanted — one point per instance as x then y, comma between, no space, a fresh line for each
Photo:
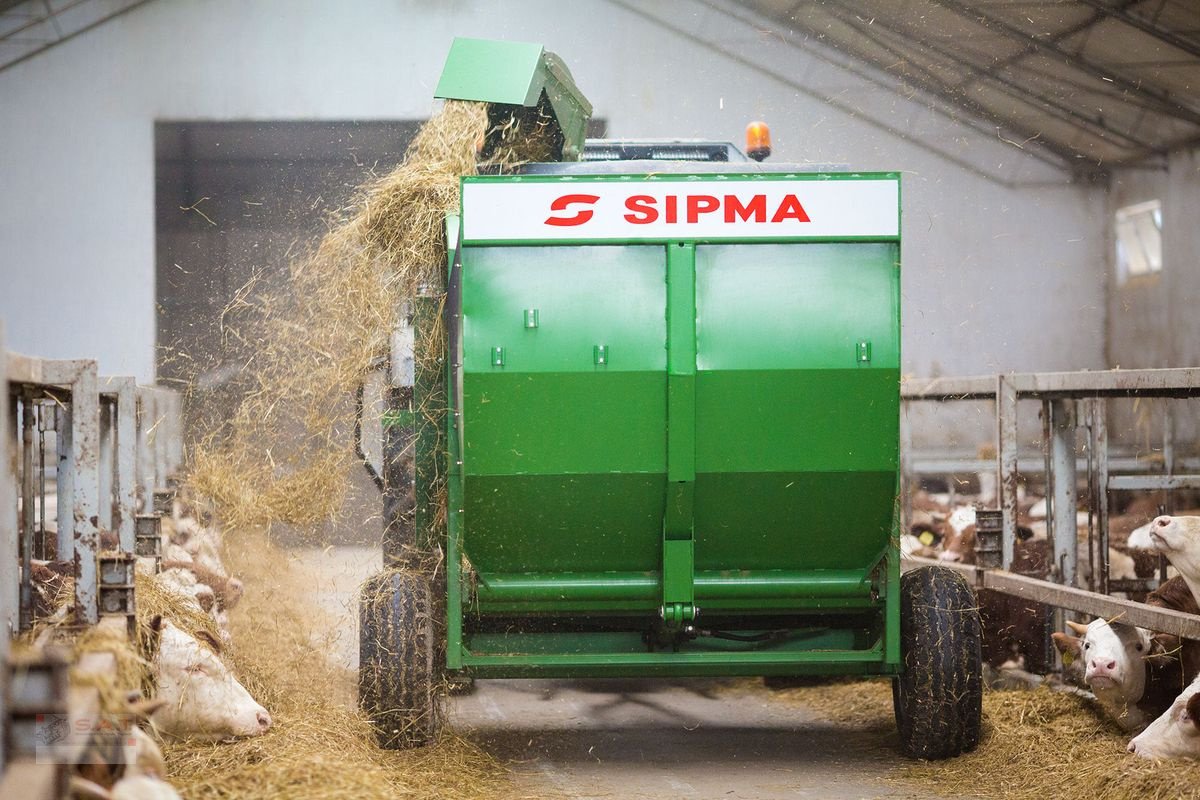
1069,401
698,399
121,442
109,438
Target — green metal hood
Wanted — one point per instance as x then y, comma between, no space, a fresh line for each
517,74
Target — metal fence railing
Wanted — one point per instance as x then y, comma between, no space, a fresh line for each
80,456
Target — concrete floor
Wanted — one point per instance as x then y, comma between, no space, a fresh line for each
637,739
657,738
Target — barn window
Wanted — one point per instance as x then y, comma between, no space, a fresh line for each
1139,240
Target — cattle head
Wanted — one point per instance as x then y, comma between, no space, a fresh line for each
924,540
1139,538
958,536
203,698
118,747
1113,656
1178,538
1175,734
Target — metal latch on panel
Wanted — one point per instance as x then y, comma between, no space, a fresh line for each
863,351
497,356
600,354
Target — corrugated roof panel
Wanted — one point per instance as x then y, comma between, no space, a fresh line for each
1087,79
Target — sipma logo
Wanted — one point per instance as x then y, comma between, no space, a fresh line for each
672,209
580,217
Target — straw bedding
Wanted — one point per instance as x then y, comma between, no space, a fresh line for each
286,456
133,655
286,453
1036,744
319,746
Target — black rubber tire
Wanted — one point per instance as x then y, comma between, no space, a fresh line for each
938,696
398,679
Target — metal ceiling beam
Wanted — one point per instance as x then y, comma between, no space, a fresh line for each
1101,89
639,9
72,34
1019,92
47,18
1145,26
1188,142
1030,46
1057,157
1135,86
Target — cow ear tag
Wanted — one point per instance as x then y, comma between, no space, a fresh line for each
1067,658
926,538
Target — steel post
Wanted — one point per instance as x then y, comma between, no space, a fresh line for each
107,463
1168,451
147,479
161,434
85,419
1006,457
78,484
8,541
1062,462
64,478
125,511
27,410
1048,478
1100,459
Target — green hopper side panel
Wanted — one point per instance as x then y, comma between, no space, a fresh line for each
517,73
565,459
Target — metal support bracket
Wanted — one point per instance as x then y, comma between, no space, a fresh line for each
679,564
78,482
118,444
36,690
117,592
1064,503
148,543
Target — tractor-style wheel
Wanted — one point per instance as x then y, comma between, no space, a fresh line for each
398,677
938,696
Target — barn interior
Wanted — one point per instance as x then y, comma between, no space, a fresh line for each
220,221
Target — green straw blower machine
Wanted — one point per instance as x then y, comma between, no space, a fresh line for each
670,448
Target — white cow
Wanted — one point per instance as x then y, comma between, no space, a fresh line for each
1178,538
202,543
1175,734
137,773
203,698
1113,656
183,583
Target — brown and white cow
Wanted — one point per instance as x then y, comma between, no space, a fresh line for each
203,698
1130,685
1014,629
1175,594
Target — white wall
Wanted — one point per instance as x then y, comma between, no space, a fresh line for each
1152,319
1003,258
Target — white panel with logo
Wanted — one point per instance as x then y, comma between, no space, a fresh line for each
696,208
